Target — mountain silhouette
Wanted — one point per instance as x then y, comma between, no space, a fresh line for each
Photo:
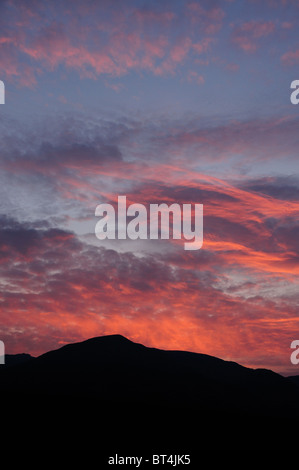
109,391
14,359
295,379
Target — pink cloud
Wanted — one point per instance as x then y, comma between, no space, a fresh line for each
129,39
203,45
232,67
195,77
153,17
123,51
290,58
210,20
180,50
287,25
177,54
246,35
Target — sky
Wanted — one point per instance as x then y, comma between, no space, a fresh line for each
165,102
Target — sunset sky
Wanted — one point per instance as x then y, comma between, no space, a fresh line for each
161,101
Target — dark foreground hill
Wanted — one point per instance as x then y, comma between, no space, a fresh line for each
111,393
14,359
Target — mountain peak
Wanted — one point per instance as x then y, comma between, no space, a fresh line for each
98,349
116,338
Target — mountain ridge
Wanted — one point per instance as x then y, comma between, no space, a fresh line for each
119,352
119,339
114,381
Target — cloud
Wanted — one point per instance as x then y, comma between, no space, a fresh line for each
128,39
78,154
195,77
208,19
21,241
55,289
235,142
66,151
247,35
97,40
77,162
290,57
279,187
